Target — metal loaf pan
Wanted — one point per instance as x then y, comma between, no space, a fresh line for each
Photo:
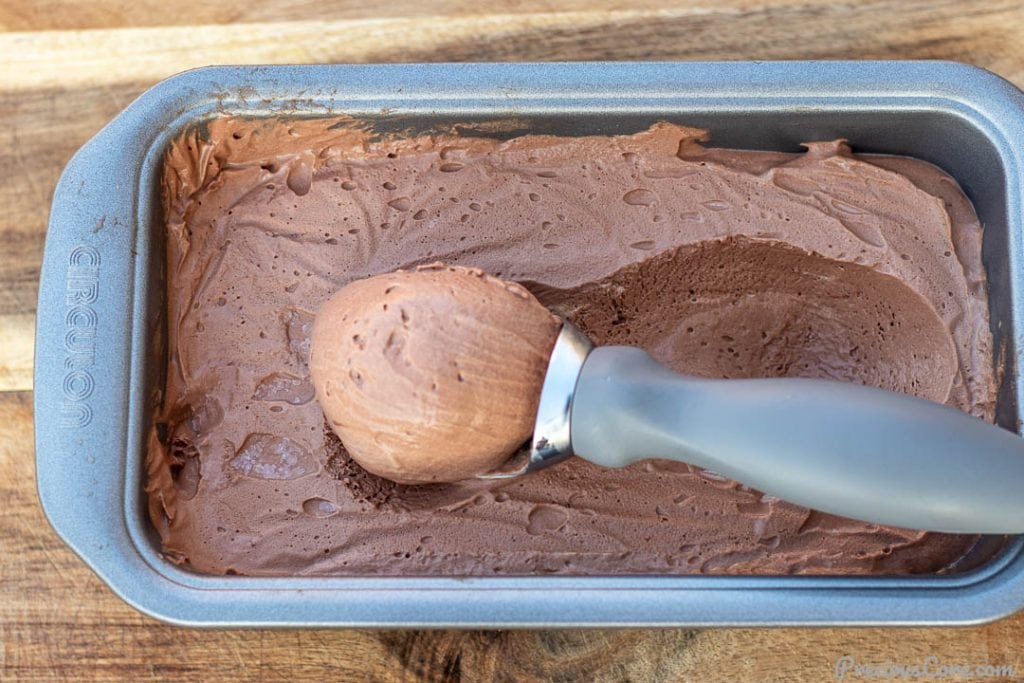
98,340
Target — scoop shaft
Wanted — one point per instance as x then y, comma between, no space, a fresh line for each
847,449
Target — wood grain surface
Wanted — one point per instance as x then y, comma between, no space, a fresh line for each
68,67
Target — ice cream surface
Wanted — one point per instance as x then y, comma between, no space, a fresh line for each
721,263
431,375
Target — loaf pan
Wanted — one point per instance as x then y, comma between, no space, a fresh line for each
101,293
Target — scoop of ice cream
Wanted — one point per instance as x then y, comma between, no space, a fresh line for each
431,375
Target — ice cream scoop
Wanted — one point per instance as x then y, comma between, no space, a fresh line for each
843,448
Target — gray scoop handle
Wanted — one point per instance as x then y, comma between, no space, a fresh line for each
851,450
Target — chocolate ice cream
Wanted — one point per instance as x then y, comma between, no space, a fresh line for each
431,375
721,263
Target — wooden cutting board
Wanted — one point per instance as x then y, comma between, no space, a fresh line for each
66,68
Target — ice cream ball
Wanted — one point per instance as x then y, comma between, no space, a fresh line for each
432,374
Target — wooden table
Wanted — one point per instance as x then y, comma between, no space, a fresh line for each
68,67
